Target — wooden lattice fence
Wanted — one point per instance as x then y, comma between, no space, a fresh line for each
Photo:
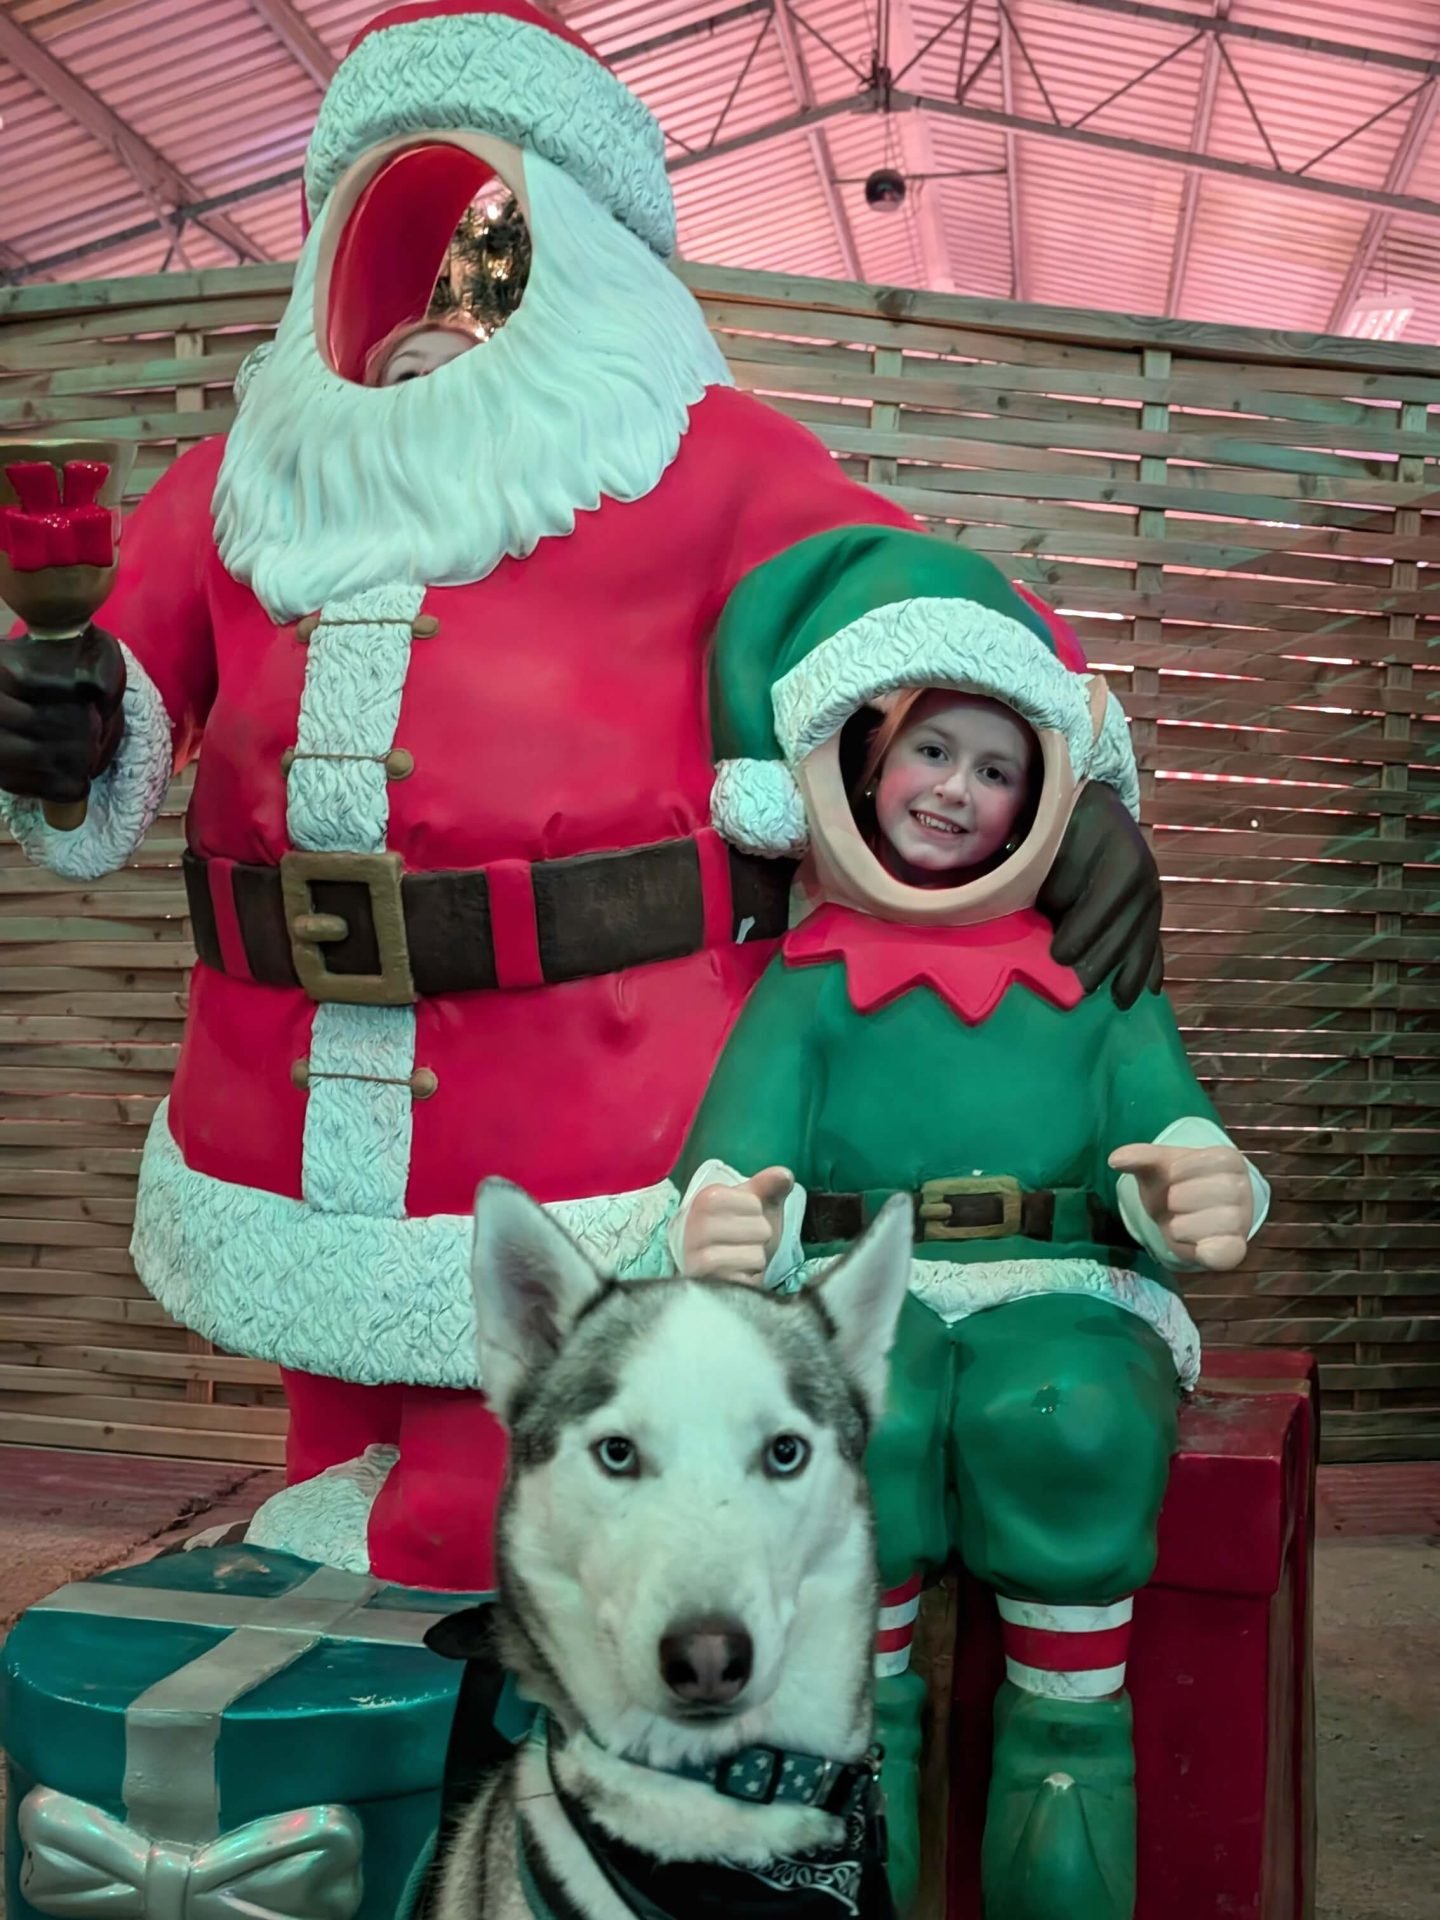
1240,523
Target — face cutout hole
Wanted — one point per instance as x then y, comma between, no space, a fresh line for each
487,265
433,236
944,787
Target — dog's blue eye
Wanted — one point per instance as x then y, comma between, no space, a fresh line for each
617,1456
786,1454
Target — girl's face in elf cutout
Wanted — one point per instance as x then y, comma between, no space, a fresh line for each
952,786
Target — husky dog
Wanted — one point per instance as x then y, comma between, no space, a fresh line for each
686,1586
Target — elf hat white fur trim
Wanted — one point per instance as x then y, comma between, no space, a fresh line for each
503,69
938,642
757,806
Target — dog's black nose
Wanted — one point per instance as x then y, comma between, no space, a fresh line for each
706,1662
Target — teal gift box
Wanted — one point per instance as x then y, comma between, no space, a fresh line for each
220,1732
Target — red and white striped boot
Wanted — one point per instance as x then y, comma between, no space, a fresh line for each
895,1632
1060,1824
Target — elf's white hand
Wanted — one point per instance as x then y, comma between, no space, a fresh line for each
732,1232
1199,1197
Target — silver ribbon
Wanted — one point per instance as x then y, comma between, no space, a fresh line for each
80,1863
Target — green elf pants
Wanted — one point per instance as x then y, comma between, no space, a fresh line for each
1033,1441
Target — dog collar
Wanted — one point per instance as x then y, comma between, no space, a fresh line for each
763,1775
847,1884
766,1774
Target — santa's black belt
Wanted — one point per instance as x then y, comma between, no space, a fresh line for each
357,927
979,1207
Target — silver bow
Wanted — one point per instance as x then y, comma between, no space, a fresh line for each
80,1863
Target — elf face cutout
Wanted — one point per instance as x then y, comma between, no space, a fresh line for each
952,787
902,873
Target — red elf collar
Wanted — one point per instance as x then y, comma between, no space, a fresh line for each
970,968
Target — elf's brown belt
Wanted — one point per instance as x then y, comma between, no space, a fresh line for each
993,1207
357,927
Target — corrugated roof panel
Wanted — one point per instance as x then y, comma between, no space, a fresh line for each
743,210
1097,219
40,146
215,91
1390,26
1305,113
1405,270
976,219
1279,276
975,211
1070,63
234,92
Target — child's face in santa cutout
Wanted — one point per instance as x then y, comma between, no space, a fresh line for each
421,353
952,786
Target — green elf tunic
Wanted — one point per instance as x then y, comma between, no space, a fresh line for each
927,1043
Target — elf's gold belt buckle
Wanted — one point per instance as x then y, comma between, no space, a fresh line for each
372,891
937,1214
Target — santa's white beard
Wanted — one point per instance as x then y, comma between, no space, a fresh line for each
328,488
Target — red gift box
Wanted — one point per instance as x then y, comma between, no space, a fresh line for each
1220,1664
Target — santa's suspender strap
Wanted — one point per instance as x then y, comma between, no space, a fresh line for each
358,927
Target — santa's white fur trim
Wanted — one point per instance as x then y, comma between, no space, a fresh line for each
359,1110
327,1518
943,642
124,801
489,74
337,793
955,1289
758,807
353,1296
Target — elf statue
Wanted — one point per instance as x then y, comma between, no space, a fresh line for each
915,1033
468,895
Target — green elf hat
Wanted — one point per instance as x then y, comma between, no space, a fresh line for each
843,620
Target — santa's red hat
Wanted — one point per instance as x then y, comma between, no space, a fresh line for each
504,68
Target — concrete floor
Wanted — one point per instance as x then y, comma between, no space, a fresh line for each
1377,1657
1377,1636
66,1516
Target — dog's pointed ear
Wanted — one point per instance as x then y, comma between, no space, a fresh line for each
530,1281
863,1294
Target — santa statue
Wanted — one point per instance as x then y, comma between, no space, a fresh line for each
469,892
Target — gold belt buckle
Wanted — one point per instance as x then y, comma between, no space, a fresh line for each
311,930
935,1210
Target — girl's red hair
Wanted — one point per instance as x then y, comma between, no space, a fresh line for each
886,734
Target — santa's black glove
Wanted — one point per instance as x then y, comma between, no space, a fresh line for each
1102,896
60,713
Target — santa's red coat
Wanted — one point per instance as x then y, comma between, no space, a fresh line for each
560,710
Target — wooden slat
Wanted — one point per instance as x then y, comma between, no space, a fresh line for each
1245,530
236,1444
98,1364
